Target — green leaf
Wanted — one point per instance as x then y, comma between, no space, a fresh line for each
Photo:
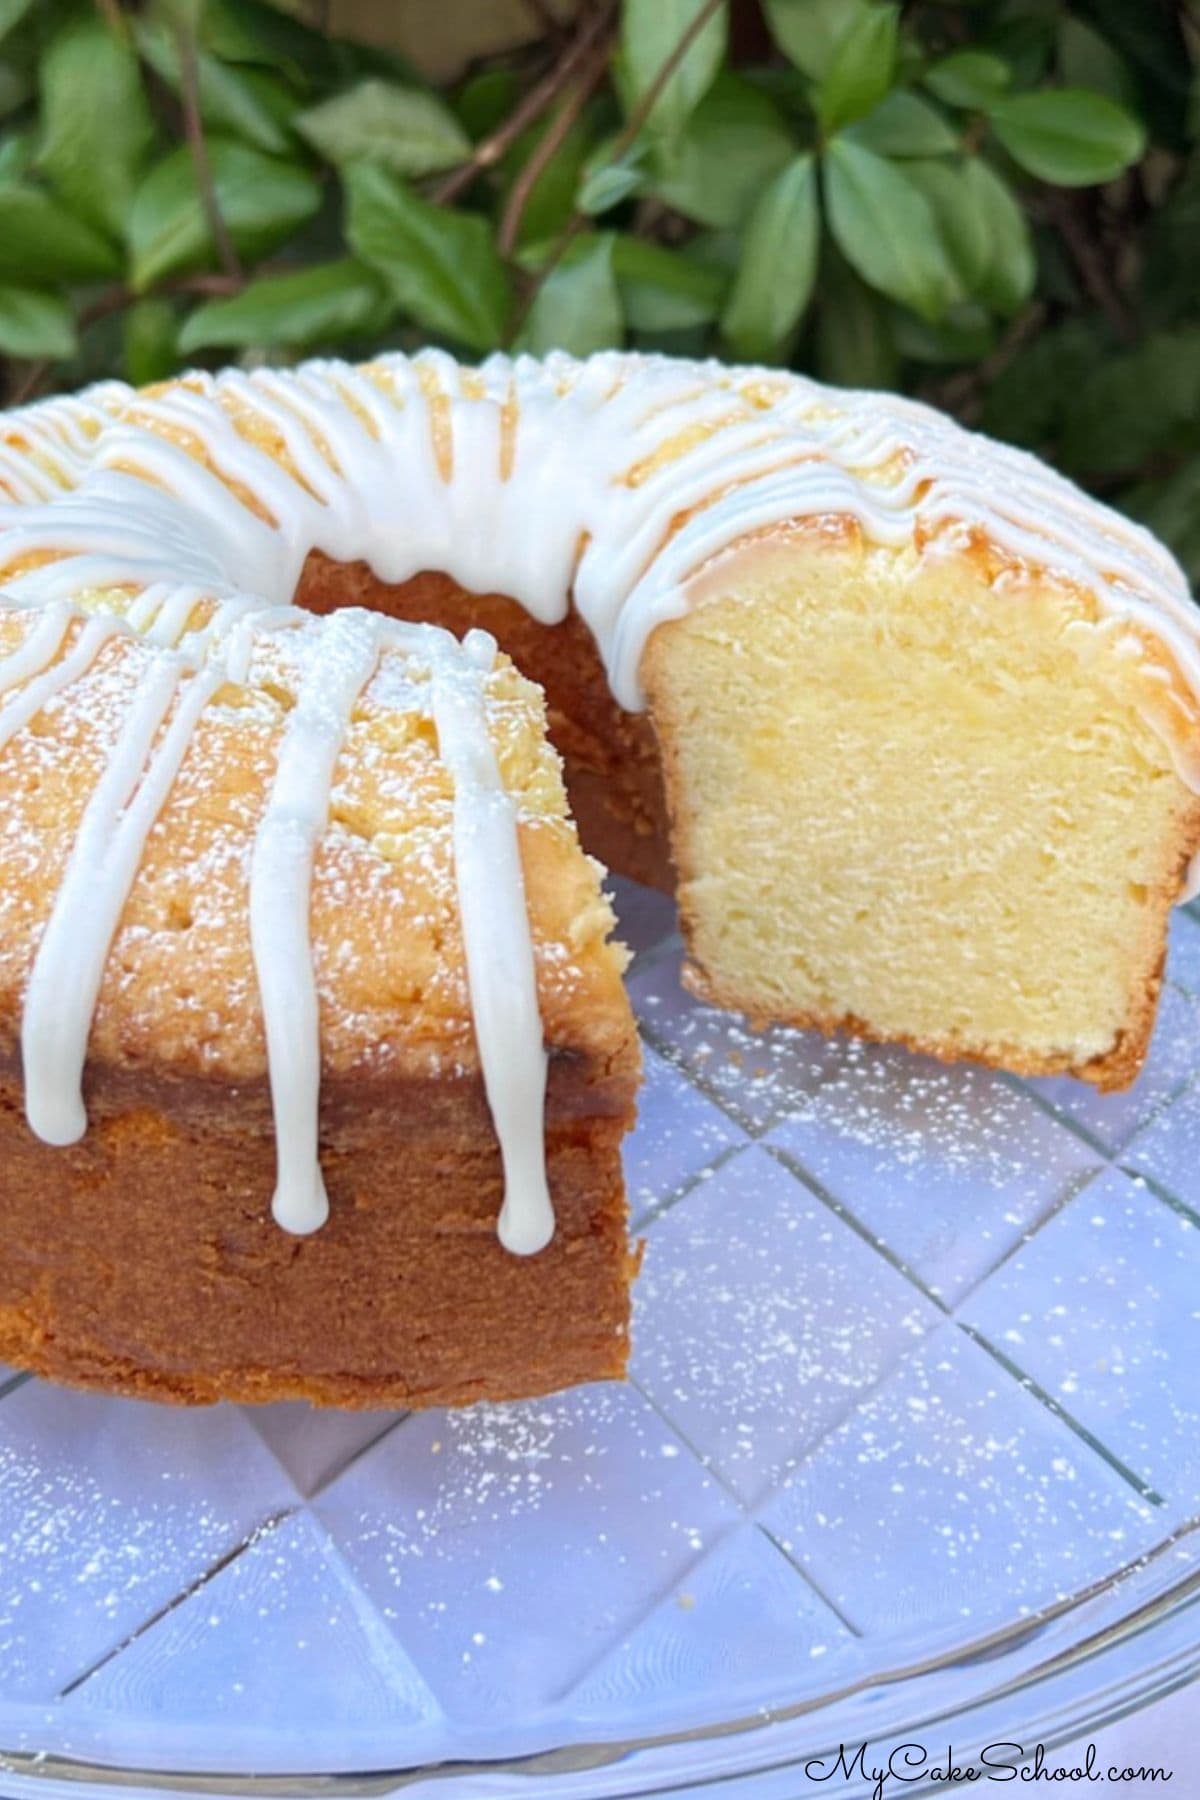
606,184
259,31
774,283
965,335
262,200
578,306
809,31
736,140
35,324
1007,281
1134,404
854,338
246,103
905,125
11,14
96,128
1088,61
41,241
860,71
149,341
402,129
16,155
961,221
973,79
650,33
1027,402
441,266
663,290
486,100
885,228
322,304
1068,136
257,105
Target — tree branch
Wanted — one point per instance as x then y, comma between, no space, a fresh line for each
193,125
963,392
30,384
624,143
547,148
489,150
1090,262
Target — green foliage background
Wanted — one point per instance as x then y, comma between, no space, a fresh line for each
991,204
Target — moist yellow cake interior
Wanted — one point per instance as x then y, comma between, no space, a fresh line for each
911,796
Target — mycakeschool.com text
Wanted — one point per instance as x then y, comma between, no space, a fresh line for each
887,1770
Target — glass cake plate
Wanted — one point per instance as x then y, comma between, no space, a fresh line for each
911,1451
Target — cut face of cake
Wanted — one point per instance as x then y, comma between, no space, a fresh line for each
316,1056
953,772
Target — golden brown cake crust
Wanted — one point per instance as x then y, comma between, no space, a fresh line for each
144,1260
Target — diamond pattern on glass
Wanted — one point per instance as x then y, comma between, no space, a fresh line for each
1168,1150
315,1443
282,1647
679,1133
945,1167
108,1510
762,1318
1102,1309
758,1076
508,1546
742,1627
952,1494
1183,954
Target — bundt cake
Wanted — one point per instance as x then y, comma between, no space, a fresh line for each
291,902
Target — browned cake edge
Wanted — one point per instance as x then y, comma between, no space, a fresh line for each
144,1260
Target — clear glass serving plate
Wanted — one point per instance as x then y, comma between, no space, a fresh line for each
911,1451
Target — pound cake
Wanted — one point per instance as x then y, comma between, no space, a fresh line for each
316,1060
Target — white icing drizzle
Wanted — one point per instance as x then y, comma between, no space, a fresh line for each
280,895
609,483
16,713
496,941
69,967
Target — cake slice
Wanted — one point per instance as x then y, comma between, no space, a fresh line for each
141,1255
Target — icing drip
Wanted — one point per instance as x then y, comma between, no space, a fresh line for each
496,939
496,934
40,650
69,968
280,891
